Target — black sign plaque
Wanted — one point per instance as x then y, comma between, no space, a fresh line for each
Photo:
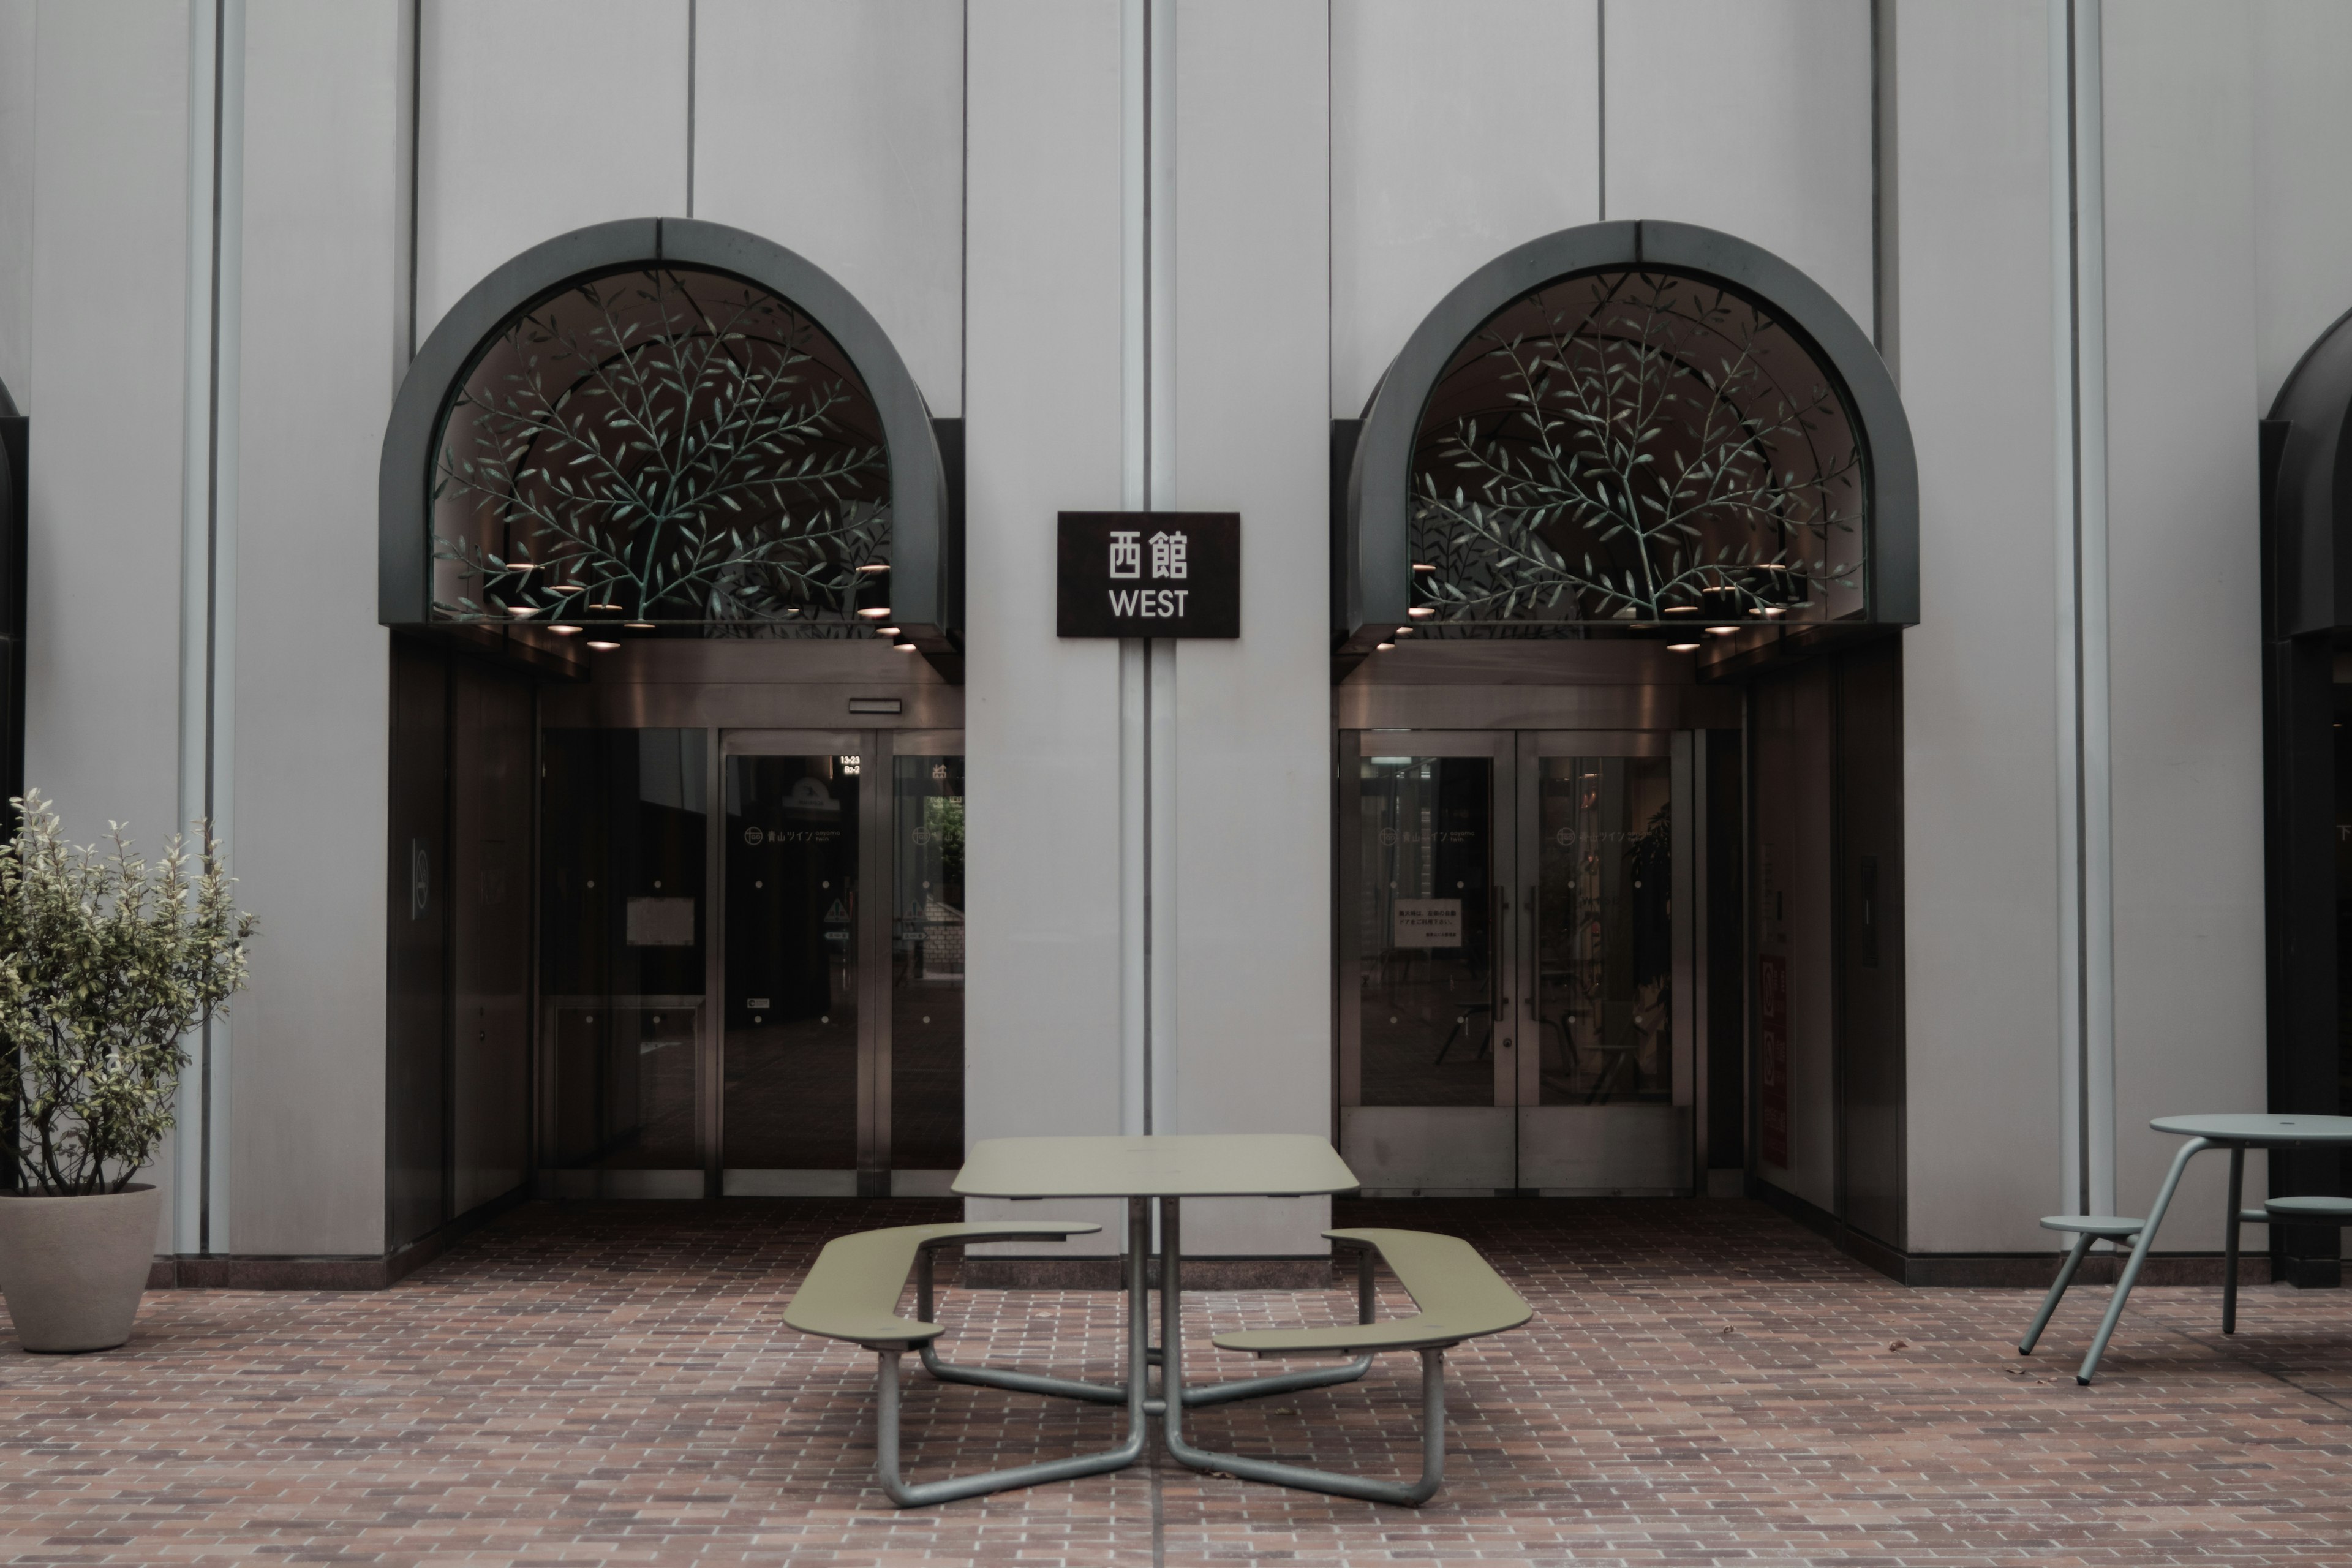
1150,575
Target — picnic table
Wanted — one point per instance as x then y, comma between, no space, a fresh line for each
2237,1132
851,1293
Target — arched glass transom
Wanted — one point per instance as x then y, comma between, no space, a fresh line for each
661,445
1636,448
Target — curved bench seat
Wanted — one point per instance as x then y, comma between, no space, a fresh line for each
1459,1296
852,1289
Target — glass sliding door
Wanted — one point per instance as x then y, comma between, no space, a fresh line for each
792,1045
624,927
1605,1096
1426,1087
927,947
1513,959
797,1032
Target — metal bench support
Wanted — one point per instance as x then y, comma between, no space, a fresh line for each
1433,1403
919,1494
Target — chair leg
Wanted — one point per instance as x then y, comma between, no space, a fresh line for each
2058,1288
2229,1249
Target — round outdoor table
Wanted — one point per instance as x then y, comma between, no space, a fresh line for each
2237,1132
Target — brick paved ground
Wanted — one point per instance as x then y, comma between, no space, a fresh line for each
1703,1383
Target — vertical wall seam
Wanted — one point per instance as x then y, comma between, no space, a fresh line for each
2086,913
693,57
207,566
1135,1107
963,226
1600,100
2091,584
415,176
1886,191
1161,658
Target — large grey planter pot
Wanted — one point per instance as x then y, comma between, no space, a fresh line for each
73,1269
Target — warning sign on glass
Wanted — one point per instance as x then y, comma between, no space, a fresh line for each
1150,575
1428,923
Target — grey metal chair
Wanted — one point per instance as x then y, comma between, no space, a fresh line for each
2275,1211
2085,1229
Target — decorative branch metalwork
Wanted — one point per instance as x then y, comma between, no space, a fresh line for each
664,445
1634,448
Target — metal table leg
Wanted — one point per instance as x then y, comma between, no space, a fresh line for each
2139,1256
1111,1393
2230,1248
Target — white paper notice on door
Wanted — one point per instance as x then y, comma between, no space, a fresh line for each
1429,922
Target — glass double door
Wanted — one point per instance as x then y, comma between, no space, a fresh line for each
1514,957
752,980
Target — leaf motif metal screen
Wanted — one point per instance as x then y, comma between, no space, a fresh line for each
1634,448
657,447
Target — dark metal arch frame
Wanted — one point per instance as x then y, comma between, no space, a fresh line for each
2305,454
1372,577
924,581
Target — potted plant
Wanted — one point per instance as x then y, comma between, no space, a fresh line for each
106,963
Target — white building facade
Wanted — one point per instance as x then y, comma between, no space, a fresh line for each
1957,897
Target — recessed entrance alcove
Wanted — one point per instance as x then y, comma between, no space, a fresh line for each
1621,549
670,549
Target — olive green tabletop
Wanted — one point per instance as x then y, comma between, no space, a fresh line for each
1167,1165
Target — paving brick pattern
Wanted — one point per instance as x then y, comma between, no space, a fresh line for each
1703,1383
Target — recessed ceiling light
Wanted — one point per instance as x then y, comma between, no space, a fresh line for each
1776,609
604,606
1722,631
1682,609
563,631
1682,648
1423,566
904,646
522,565
1382,646
522,612
880,613
603,647
638,626
1421,612
876,567
1405,631
567,587
885,631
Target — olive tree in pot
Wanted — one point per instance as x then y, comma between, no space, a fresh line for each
107,962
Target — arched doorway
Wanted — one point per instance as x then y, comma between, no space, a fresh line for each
2306,511
1627,531
670,553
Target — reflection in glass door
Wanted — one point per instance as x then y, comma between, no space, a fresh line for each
927,932
1605,1095
624,830
799,1031
1514,1008
1426,1091
791,1049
